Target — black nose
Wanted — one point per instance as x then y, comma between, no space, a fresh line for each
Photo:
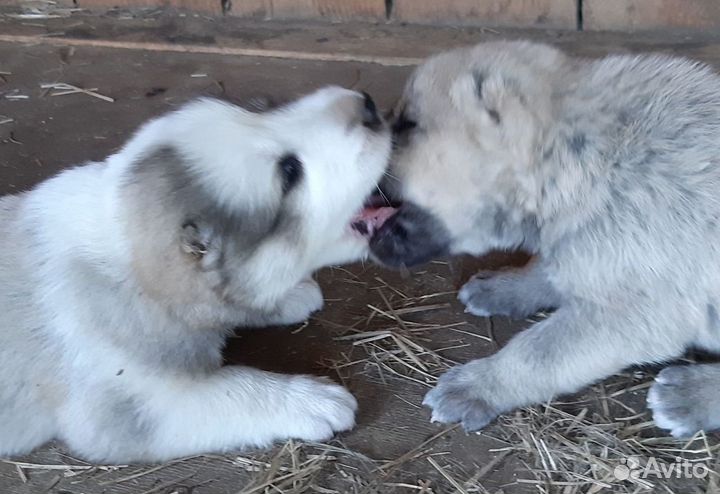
410,237
370,117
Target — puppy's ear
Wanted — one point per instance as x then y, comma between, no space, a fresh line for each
483,93
479,96
502,111
200,242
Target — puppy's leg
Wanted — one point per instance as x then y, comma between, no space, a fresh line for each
515,292
562,354
146,417
686,399
297,306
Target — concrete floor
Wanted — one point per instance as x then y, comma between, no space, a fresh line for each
47,133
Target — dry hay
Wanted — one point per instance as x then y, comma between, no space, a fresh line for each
580,452
396,346
291,470
568,448
63,89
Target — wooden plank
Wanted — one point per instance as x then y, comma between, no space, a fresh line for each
387,61
523,13
336,10
332,9
628,15
210,6
250,8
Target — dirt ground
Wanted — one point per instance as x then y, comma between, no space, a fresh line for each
386,335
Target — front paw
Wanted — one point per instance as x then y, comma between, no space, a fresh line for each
684,399
484,296
300,303
465,394
317,408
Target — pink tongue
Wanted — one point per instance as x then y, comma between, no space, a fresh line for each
370,219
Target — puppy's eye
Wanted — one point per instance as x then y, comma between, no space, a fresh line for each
403,124
290,170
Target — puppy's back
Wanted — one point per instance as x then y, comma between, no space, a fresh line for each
25,346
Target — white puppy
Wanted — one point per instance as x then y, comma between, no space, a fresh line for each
120,280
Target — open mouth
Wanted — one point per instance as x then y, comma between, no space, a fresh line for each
373,215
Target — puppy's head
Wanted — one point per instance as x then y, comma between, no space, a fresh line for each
466,133
249,203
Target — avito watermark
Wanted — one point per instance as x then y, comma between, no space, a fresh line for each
631,468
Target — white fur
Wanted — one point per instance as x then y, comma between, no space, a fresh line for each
111,336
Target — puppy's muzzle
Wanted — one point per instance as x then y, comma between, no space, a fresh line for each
410,237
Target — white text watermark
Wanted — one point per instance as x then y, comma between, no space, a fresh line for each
632,468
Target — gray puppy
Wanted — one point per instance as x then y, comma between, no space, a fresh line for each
609,171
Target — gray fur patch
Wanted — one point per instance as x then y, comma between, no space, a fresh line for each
577,143
479,81
509,231
500,222
494,115
197,353
530,232
549,152
166,170
713,317
125,417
